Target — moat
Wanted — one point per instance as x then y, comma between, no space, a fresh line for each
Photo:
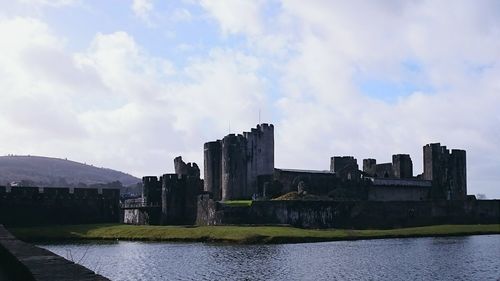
439,258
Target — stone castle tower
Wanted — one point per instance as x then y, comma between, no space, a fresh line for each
172,198
233,165
401,167
446,170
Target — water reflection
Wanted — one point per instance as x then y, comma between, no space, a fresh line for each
245,261
456,258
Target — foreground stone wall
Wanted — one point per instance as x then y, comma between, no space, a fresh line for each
33,206
351,214
23,261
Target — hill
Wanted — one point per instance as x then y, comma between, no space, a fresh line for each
46,171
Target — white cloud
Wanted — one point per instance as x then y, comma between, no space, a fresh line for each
335,44
143,9
132,110
53,3
181,15
118,105
237,16
323,109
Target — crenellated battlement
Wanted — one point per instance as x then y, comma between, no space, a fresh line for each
57,192
30,205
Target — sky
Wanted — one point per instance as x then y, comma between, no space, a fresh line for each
130,85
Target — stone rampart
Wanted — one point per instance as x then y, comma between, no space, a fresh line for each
351,214
36,206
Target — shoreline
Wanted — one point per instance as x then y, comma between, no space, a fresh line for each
236,234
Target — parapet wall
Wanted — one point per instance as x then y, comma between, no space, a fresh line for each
37,206
350,214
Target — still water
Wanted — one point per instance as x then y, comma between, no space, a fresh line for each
452,258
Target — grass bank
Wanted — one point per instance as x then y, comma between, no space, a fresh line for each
237,234
237,203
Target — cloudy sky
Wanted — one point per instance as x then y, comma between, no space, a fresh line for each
131,84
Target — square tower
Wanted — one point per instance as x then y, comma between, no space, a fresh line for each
446,171
402,166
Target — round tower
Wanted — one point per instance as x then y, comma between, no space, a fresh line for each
234,168
212,152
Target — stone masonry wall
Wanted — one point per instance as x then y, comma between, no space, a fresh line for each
32,206
351,214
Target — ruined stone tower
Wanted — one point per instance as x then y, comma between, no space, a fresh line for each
179,193
446,171
234,164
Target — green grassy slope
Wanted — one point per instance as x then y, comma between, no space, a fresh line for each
237,234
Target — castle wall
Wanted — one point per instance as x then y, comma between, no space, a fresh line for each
234,168
136,216
398,193
352,214
213,168
31,206
384,170
206,210
317,182
85,192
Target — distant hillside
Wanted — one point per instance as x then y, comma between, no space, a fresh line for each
46,171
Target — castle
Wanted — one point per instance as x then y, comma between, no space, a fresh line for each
241,167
